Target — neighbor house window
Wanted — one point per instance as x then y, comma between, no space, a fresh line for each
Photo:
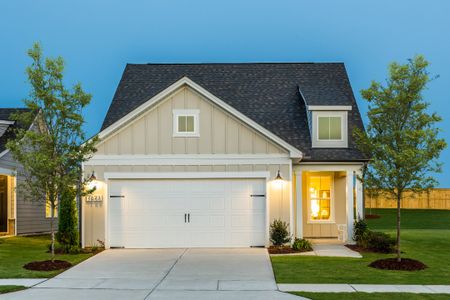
48,209
330,128
320,198
186,123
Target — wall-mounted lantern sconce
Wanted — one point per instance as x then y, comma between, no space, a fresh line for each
278,177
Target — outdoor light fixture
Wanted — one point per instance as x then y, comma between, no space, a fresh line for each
278,178
93,177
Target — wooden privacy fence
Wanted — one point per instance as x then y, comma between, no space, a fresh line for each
435,199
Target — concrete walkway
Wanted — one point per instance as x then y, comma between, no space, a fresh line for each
366,288
22,281
332,250
164,274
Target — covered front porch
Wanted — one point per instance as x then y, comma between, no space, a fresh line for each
328,199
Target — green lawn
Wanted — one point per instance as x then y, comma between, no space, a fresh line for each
431,246
17,251
10,288
371,296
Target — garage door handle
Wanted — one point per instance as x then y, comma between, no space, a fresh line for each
185,216
189,218
116,196
257,195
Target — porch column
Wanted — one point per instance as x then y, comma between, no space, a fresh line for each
359,197
298,198
350,214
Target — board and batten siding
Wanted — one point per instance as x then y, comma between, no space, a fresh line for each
220,133
30,214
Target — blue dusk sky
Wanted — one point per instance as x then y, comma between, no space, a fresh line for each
97,39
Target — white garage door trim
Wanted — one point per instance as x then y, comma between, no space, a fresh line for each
184,175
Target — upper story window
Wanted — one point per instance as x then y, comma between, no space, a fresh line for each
329,129
186,123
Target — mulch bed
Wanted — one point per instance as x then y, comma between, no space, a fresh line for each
372,216
282,250
406,264
47,265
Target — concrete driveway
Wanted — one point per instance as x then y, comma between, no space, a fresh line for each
164,274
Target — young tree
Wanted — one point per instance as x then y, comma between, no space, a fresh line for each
402,137
51,152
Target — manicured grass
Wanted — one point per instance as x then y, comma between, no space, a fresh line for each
17,251
431,246
10,288
410,219
371,296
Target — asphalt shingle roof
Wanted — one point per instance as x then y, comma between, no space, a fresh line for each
267,93
5,115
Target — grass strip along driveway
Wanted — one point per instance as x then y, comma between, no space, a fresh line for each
18,251
10,288
371,296
425,237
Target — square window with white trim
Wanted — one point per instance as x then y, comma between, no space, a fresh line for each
186,123
329,129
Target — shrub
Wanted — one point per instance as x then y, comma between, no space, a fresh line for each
67,235
360,228
302,245
279,233
380,242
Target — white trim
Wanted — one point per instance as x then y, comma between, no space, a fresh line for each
185,175
299,195
186,160
176,113
9,172
331,163
329,107
327,167
330,220
15,204
294,152
83,208
291,202
317,143
359,196
3,153
349,204
5,122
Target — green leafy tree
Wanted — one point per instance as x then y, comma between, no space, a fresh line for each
52,150
68,235
402,137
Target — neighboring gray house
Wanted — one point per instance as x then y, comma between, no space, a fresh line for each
17,215
207,155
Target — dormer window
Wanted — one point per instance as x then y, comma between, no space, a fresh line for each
329,129
186,123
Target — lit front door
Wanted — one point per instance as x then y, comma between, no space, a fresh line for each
3,204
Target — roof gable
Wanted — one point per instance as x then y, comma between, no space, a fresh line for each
163,95
266,93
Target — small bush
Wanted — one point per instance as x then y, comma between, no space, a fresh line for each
67,234
279,233
302,245
360,228
380,242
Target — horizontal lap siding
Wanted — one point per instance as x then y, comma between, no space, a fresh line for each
30,214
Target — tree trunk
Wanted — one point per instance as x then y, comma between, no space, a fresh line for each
52,207
399,198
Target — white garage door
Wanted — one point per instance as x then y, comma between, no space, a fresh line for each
187,213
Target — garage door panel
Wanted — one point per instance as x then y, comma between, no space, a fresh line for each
222,213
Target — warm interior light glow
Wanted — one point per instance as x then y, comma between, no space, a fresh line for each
320,197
